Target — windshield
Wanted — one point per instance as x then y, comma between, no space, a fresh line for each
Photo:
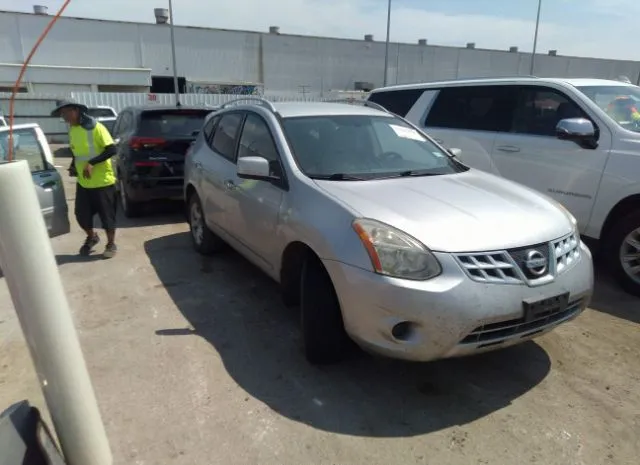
171,123
363,147
621,103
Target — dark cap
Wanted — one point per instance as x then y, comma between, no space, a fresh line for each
66,104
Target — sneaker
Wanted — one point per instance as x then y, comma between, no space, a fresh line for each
110,251
89,244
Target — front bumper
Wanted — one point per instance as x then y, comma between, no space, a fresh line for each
450,315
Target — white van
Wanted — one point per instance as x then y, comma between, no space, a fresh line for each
576,140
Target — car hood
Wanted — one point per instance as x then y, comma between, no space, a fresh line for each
465,212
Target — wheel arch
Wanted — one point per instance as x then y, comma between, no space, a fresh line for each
622,208
293,258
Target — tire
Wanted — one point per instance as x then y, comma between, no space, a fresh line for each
325,340
617,244
130,208
204,241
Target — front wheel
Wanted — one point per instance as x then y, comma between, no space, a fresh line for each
622,252
325,340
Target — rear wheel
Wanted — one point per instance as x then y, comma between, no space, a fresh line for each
622,252
325,340
130,208
204,241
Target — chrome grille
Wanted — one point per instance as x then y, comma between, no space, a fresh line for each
510,266
566,252
493,332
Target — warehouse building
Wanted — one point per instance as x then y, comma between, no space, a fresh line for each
136,57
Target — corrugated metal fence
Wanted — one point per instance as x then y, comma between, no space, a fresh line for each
30,108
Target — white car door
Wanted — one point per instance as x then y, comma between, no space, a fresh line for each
469,118
532,155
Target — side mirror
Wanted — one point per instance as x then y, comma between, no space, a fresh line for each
578,130
254,168
455,152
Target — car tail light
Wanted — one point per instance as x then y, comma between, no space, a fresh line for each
138,143
147,163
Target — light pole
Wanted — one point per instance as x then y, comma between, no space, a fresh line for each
535,38
386,51
173,55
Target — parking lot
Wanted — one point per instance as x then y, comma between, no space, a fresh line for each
196,361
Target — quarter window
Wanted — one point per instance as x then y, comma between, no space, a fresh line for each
256,141
480,108
399,102
224,137
539,110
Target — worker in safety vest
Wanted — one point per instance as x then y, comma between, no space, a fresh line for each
623,109
92,148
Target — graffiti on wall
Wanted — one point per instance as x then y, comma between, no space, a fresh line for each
231,89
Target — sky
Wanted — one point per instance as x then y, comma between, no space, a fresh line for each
592,28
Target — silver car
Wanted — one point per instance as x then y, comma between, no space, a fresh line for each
30,144
379,234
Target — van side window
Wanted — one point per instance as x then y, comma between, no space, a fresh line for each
539,110
480,108
397,101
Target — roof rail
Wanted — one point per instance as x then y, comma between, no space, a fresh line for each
504,76
366,103
258,100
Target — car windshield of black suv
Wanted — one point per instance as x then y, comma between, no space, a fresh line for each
363,147
621,103
171,123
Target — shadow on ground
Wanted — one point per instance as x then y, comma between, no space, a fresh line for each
609,298
155,214
237,309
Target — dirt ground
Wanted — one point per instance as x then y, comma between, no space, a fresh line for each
196,361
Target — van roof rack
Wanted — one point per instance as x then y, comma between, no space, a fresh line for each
366,103
250,98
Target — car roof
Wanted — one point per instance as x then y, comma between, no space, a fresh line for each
300,109
576,82
20,126
168,107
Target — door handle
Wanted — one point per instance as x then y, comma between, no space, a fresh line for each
230,185
508,148
197,165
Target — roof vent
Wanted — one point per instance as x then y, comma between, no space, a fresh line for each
513,49
422,41
274,29
553,53
471,45
364,86
162,15
40,10
368,38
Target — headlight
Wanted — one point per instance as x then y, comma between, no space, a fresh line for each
395,253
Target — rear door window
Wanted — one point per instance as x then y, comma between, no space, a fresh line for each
25,147
226,134
397,101
474,108
171,123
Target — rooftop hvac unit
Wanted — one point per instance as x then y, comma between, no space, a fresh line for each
368,38
513,49
553,53
274,29
422,41
40,9
162,15
471,45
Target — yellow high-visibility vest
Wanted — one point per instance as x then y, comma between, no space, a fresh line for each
86,144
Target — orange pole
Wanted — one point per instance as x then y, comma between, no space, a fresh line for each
16,86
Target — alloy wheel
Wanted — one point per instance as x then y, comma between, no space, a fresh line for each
197,224
630,255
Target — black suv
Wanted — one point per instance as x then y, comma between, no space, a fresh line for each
152,142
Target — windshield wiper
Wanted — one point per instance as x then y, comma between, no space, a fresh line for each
406,174
336,177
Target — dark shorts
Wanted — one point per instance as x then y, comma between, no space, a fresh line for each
101,201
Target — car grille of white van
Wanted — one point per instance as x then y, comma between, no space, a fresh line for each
515,266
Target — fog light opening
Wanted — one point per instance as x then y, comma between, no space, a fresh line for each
403,331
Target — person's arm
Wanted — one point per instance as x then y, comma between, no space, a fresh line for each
105,145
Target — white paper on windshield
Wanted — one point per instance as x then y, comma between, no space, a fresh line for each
406,133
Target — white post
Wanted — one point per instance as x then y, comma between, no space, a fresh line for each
386,46
535,39
31,271
173,55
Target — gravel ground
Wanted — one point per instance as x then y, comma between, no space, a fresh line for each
196,361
